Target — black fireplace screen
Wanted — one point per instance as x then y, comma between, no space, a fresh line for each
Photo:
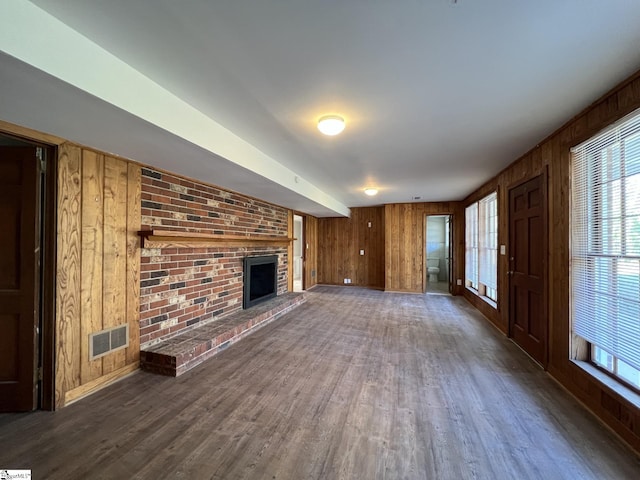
260,279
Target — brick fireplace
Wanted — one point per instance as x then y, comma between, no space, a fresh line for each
185,286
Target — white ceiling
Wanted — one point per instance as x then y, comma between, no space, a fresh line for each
438,96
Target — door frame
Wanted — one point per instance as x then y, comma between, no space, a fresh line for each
450,252
451,255
304,252
543,172
303,259
48,247
48,283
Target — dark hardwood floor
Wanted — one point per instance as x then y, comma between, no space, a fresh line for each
354,384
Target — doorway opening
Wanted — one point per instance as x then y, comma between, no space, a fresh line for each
27,268
438,255
298,253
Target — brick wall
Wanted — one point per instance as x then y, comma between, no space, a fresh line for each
182,287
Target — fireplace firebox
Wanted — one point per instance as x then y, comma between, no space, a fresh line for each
260,279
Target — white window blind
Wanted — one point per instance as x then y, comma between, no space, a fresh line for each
488,241
605,240
471,246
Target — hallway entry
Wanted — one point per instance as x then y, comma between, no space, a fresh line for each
438,256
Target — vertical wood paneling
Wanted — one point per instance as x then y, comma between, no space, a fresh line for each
133,262
324,253
418,262
405,243
114,270
392,247
628,97
68,270
92,256
406,240
558,287
98,266
325,257
375,246
340,241
311,251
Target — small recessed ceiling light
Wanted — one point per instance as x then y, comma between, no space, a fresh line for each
331,124
371,191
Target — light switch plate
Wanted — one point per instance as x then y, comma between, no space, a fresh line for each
503,249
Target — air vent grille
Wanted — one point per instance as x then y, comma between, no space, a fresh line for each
106,341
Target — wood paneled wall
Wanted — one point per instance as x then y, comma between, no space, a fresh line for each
405,243
310,251
98,267
553,155
394,246
340,241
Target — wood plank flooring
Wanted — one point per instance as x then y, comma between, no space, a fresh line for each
354,384
438,288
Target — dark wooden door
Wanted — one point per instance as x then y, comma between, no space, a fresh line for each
527,267
19,284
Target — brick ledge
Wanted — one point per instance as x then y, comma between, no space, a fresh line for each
176,355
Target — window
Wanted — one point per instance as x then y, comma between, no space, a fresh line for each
471,246
605,248
481,247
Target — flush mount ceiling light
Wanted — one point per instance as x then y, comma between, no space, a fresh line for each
371,191
331,124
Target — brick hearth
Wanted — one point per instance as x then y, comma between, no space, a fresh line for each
180,353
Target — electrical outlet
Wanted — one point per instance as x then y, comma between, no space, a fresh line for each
459,282
346,280
361,252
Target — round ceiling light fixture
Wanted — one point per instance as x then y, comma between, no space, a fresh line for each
371,191
331,124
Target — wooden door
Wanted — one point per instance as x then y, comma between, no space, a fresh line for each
527,267
19,285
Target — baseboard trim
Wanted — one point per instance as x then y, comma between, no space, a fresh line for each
99,383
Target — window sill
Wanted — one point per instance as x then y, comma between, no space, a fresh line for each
487,300
626,393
